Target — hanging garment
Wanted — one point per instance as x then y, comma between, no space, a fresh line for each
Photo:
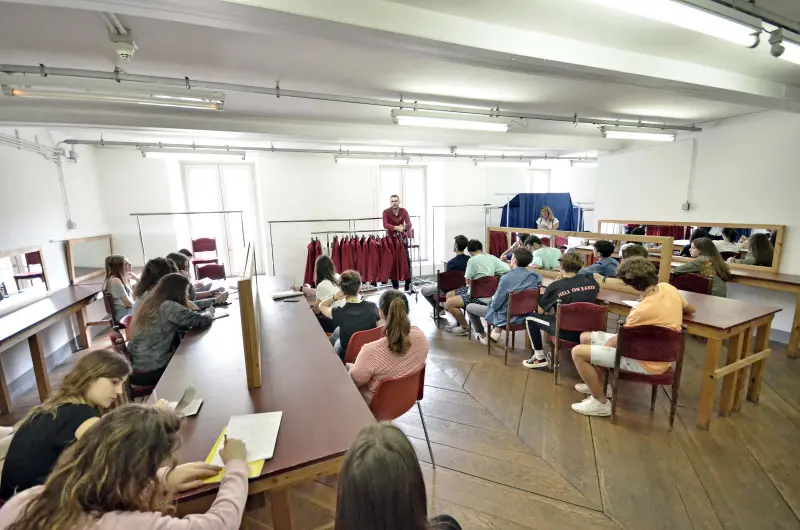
401,268
360,258
387,259
498,243
336,255
347,262
373,259
308,277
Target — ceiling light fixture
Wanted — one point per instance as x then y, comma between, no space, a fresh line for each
361,160
633,133
188,99
505,162
448,120
784,48
199,154
702,16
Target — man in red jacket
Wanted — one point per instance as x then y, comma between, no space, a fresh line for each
396,221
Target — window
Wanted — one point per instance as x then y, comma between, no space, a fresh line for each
411,184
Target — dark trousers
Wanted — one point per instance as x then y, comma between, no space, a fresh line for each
328,325
395,283
147,378
547,323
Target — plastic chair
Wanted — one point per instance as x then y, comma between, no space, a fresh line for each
445,282
31,258
481,288
395,397
358,339
133,391
212,272
204,245
650,343
520,304
576,317
694,283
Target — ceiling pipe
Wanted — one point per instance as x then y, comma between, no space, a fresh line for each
184,82
337,152
749,7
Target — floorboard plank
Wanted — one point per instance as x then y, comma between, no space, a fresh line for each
501,389
480,418
457,398
470,519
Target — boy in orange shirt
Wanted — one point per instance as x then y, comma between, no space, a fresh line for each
660,304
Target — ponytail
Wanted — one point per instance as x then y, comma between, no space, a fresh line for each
397,326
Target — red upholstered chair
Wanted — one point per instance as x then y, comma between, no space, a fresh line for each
546,241
650,343
482,288
358,339
576,317
562,242
520,304
445,282
395,397
119,346
694,283
212,272
204,245
31,258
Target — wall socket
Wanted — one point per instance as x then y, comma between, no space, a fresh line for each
71,225
685,206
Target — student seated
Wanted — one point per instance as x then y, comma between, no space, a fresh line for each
519,278
154,270
403,349
381,485
156,324
759,251
456,263
605,264
478,266
707,263
571,287
199,286
638,231
729,241
660,305
117,285
628,251
93,384
697,233
355,315
327,282
122,474
543,257
202,300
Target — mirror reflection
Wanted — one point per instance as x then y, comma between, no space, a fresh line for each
23,278
87,257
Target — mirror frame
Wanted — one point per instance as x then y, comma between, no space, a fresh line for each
776,256
73,280
26,250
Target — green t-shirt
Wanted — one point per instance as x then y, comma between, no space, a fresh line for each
546,258
482,265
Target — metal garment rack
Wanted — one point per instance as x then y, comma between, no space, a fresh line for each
485,207
146,214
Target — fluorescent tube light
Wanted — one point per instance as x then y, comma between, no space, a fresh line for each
696,15
583,163
188,99
190,154
448,120
362,160
784,48
501,163
633,133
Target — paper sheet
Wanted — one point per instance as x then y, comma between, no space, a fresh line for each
213,456
259,432
632,303
285,294
191,409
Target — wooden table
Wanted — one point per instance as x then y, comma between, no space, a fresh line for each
301,376
28,321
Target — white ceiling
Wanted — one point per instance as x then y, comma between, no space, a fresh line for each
307,51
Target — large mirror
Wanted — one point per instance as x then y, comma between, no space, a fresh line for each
743,246
23,278
86,257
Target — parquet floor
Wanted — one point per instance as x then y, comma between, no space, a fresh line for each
511,455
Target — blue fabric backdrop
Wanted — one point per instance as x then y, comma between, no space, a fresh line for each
523,210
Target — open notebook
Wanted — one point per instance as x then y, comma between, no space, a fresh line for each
259,432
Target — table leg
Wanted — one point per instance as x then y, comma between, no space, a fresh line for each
5,395
757,369
708,385
84,336
794,339
729,381
39,366
281,509
747,351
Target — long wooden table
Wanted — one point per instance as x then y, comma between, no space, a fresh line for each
301,376
27,322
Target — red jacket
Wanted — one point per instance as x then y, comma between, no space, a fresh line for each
387,259
336,255
390,220
373,259
401,271
308,277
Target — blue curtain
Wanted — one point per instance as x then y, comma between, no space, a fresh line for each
523,210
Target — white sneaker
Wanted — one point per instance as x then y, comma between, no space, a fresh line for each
451,327
458,330
483,339
583,388
591,407
496,333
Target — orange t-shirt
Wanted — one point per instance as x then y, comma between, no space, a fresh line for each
663,308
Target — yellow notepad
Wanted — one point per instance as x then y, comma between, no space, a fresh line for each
255,467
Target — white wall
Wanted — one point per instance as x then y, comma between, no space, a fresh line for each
33,215
745,172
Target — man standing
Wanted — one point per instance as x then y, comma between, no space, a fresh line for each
397,221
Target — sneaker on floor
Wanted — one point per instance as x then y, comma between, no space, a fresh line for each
451,327
496,334
591,407
458,330
583,388
536,363
482,339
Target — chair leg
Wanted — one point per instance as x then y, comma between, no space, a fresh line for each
505,359
555,365
488,339
424,428
653,399
613,395
673,406
513,340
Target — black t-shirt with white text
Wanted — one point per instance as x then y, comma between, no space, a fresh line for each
353,317
579,288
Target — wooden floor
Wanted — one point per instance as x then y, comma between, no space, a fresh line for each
511,455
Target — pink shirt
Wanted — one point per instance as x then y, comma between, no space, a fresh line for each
224,514
375,362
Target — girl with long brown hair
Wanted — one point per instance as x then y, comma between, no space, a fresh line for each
154,270
759,251
114,478
93,385
708,263
156,323
118,286
403,349
381,485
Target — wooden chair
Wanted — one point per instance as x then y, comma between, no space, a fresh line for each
31,258
520,304
122,323
650,343
395,397
358,339
445,282
576,317
694,283
212,272
726,255
481,288
204,245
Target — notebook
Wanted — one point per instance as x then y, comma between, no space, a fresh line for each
632,303
259,432
213,458
285,294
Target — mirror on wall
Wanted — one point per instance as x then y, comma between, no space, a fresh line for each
86,257
23,278
744,246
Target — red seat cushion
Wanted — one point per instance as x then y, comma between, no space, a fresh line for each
665,379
